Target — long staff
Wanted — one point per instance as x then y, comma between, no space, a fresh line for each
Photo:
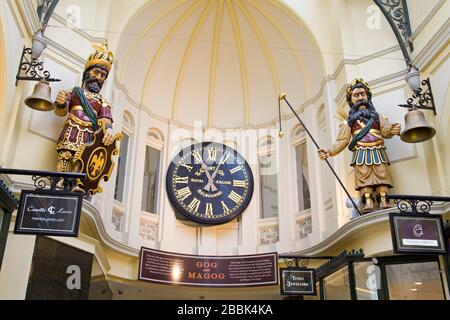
283,97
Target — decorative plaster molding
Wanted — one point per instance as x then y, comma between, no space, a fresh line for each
359,224
436,44
428,19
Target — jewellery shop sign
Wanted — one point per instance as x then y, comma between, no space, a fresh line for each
417,233
204,271
49,213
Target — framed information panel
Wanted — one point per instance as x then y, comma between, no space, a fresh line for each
417,233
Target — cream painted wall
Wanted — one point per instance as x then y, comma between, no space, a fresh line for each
418,11
16,267
33,134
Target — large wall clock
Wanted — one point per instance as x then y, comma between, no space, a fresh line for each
209,183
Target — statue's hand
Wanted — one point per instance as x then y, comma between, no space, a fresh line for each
61,98
396,129
323,155
108,139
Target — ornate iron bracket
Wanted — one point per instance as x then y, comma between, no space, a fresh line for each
32,69
415,204
396,12
301,261
422,98
49,181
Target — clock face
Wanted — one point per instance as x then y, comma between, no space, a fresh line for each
209,183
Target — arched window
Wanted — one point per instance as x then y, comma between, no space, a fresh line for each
268,177
123,161
152,171
302,168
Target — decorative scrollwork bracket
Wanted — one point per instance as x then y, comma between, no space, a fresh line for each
416,204
31,69
422,98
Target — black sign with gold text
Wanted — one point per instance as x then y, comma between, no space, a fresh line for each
49,213
298,281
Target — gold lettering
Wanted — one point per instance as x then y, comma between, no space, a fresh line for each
238,168
194,205
209,210
186,166
239,183
181,180
235,197
197,156
225,208
184,193
212,154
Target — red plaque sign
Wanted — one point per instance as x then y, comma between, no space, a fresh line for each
232,271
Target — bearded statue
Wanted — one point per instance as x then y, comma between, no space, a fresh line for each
84,107
364,132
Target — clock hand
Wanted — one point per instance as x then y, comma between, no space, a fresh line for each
210,186
218,167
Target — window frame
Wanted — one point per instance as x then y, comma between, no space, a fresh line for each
299,138
128,129
155,141
267,152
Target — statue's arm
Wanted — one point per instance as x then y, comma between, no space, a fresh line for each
62,103
342,141
389,130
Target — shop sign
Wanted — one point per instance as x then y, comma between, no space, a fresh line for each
298,281
205,271
49,213
417,233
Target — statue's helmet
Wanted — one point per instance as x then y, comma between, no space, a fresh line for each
358,83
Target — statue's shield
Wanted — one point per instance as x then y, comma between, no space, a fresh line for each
95,160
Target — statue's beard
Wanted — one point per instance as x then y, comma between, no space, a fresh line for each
363,115
93,85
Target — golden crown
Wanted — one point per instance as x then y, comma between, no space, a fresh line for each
101,56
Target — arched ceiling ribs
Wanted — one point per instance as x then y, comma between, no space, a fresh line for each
290,43
242,61
300,24
164,43
142,33
263,44
213,67
187,54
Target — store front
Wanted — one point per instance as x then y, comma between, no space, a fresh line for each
384,278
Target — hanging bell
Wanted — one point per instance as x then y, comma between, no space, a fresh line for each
41,99
416,128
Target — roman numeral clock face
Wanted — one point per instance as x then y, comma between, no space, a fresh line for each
209,183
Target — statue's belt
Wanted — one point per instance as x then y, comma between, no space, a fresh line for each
79,108
374,132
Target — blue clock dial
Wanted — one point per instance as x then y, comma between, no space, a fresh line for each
209,183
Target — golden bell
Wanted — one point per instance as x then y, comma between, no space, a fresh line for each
41,99
416,128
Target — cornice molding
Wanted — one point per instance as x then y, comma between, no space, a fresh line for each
359,224
433,47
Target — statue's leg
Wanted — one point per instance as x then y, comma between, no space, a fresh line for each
366,196
63,165
64,161
382,191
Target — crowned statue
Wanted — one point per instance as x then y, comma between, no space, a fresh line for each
364,132
88,113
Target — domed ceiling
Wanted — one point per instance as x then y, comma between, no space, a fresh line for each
222,62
